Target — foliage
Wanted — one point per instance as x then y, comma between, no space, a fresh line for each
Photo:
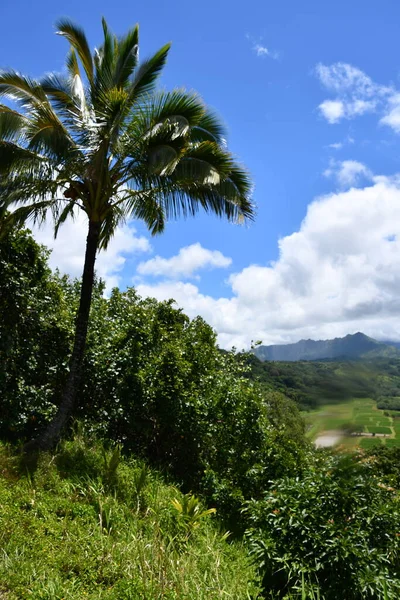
386,463
99,139
190,512
311,384
334,530
35,335
387,403
157,386
157,383
64,534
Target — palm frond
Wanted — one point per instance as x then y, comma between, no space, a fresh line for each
12,124
68,211
35,212
210,153
72,63
128,52
14,158
77,38
209,128
177,104
190,198
147,206
59,90
112,219
45,133
105,57
24,90
162,159
147,74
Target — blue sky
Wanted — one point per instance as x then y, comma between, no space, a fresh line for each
309,94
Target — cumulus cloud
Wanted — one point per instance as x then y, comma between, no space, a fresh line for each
356,94
338,274
343,77
332,110
69,248
392,116
185,264
348,173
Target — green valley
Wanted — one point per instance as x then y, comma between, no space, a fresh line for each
359,423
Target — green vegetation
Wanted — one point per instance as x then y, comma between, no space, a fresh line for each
100,139
311,384
334,529
183,442
373,442
86,523
156,383
170,406
389,403
354,417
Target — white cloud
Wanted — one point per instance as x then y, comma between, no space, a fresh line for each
348,173
69,248
340,145
342,77
338,274
261,50
332,110
336,146
356,94
189,260
392,116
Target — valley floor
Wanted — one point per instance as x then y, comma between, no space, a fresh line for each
352,424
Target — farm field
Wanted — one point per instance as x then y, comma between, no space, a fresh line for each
361,415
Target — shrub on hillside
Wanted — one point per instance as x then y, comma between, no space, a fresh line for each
334,530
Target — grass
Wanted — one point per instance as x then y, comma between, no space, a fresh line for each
355,415
367,443
376,429
87,524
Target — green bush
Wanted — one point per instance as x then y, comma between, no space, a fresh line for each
35,334
335,528
157,383
387,403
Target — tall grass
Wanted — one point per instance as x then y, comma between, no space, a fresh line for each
87,524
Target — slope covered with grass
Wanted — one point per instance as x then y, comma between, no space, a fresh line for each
84,523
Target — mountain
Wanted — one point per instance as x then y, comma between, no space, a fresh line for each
353,346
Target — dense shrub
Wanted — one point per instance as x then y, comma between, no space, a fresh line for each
387,403
157,383
154,381
34,335
334,530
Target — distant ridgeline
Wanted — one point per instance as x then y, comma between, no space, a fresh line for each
349,347
321,372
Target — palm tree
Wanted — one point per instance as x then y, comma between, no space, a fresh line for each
101,139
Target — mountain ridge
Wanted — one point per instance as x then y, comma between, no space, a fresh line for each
351,346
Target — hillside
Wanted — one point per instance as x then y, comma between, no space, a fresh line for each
86,523
353,346
313,383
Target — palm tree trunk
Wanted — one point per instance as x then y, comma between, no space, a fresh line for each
51,435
